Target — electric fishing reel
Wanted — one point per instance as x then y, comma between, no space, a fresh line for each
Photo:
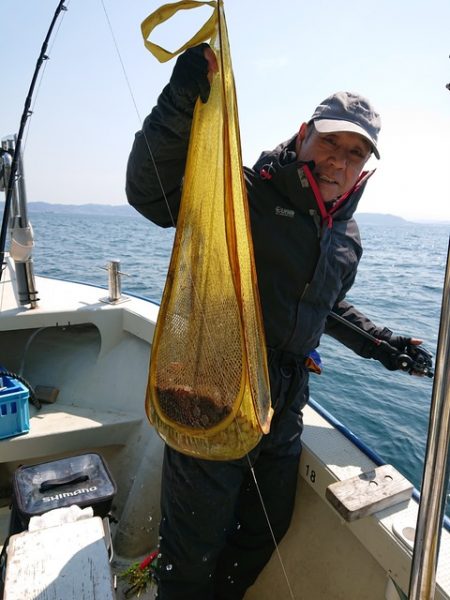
415,359
406,356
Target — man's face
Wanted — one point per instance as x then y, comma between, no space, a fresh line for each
338,157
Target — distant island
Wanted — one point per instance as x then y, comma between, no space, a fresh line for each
121,210
379,219
125,210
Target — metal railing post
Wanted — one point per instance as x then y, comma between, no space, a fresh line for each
436,468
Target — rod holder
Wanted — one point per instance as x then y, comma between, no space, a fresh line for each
22,241
114,283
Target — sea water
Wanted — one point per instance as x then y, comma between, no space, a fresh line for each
399,285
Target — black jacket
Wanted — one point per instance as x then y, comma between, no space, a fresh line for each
306,258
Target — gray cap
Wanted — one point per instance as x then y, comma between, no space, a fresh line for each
345,111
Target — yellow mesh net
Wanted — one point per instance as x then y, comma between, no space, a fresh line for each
208,393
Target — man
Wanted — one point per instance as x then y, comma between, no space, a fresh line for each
215,537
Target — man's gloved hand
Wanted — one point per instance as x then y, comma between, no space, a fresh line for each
190,76
388,351
400,352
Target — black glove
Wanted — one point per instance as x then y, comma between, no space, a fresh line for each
398,353
389,352
190,74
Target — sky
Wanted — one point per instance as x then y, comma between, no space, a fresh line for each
287,57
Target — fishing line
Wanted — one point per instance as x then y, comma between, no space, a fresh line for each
269,524
125,74
222,373
277,549
124,71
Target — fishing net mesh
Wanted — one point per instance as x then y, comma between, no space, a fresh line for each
208,392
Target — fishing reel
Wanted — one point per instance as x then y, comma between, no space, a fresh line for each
399,354
416,360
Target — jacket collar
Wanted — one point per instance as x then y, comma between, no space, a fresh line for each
295,179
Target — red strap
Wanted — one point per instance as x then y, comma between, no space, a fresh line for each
361,179
326,216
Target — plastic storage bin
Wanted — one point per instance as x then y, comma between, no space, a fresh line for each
14,410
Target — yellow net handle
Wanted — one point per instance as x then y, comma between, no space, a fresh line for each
163,13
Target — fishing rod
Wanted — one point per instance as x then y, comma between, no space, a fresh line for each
18,145
414,359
